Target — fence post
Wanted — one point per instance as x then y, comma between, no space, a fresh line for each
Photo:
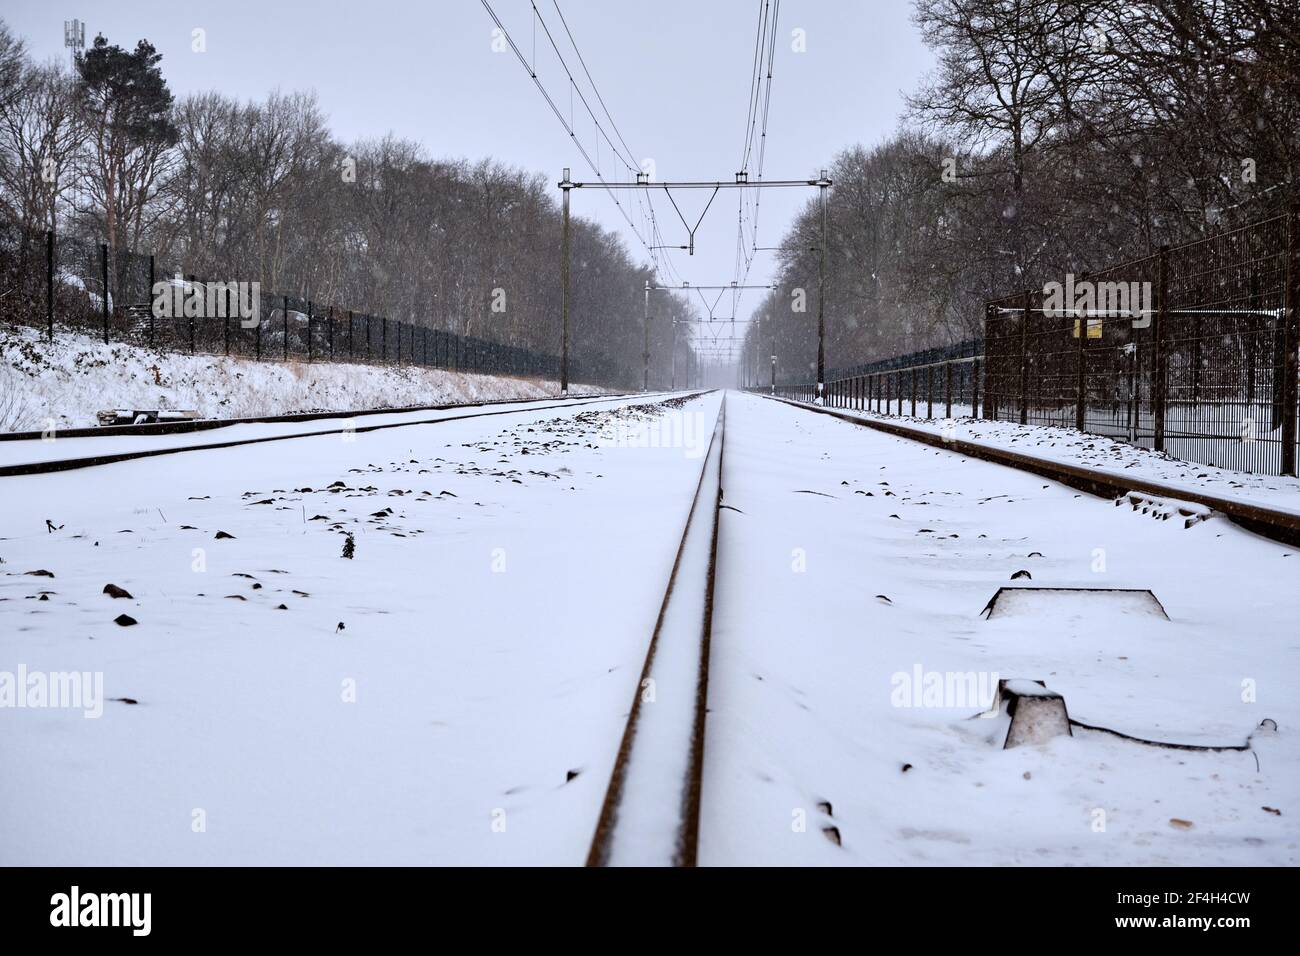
103,261
1024,359
911,389
929,391
1081,385
947,391
975,392
49,282
1291,343
149,296
192,322
1160,386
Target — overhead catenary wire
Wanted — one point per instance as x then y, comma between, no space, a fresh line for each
559,115
628,157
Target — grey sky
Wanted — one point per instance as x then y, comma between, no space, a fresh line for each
674,74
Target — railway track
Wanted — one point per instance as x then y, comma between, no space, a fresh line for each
1271,523
210,424
651,811
71,464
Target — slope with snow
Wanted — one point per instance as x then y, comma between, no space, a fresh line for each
70,379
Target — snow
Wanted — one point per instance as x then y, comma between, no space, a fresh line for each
1051,605
73,377
56,447
650,815
1108,455
495,632
800,708
496,621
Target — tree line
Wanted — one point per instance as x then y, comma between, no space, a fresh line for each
1051,137
263,191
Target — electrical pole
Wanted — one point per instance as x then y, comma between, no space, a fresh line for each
673,353
645,356
565,186
774,366
822,183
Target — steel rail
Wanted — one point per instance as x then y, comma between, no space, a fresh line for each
1281,526
72,464
705,502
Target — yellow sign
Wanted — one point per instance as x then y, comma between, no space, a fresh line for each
1094,329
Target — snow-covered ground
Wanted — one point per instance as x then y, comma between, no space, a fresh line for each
1109,455
876,556
494,623
54,446
456,691
70,379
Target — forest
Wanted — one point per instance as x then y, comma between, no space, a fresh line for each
1051,137
265,192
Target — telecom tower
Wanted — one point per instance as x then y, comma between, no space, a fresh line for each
74,38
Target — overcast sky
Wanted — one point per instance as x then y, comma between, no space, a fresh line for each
674,74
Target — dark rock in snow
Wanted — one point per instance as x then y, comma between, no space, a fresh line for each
125,620
1022,574
832,834
113,591
221,534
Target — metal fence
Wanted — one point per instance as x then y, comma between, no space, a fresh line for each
1201,364
942,381
62,282
1193,351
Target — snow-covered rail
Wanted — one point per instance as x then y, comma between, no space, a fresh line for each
651,811
1277,524
35,456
